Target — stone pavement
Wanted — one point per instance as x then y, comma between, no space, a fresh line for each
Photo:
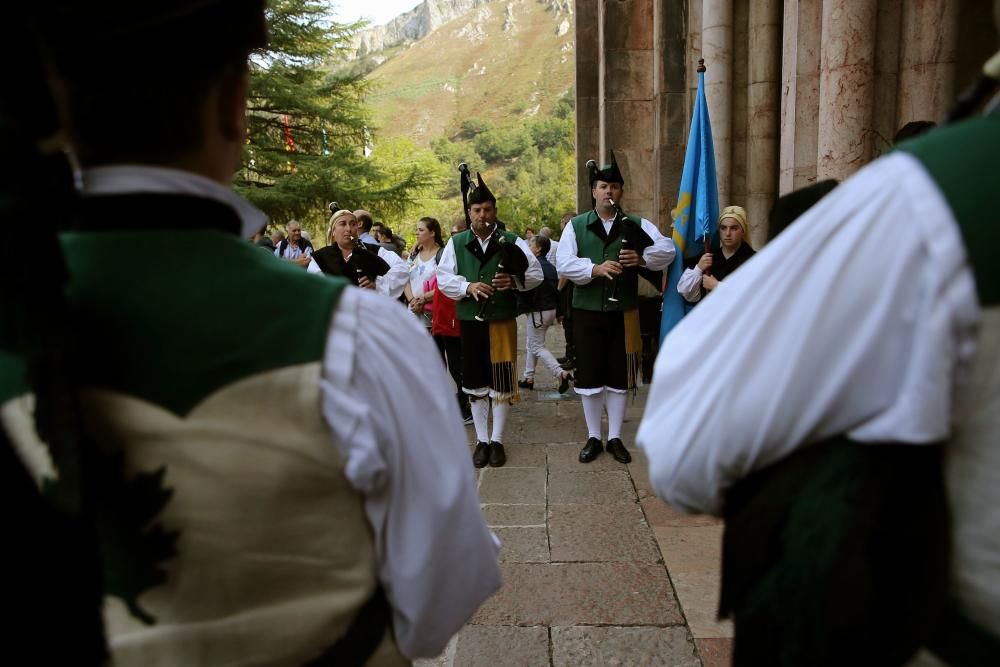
597,570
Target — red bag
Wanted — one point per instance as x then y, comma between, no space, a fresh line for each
444,318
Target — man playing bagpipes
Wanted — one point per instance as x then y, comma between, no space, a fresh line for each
480,268
602,252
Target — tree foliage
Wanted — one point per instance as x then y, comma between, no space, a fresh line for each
308,129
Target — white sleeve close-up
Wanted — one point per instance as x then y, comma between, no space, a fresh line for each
689,284
533,274
659,255
761,369
437,559
450,283
392,283
578,270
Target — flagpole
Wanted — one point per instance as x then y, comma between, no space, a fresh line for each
697,204
701,70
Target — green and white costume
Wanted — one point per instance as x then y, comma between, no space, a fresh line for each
889,335
247,382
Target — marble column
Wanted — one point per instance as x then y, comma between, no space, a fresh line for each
763,101
927,59
717,50
846,87
801,30
588,122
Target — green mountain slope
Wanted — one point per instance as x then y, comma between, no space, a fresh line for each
504,62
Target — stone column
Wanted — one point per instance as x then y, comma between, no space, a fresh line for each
764,98
627,107
801,30
588,120
717,50
927,60
886,77
846,87
670,42
738,105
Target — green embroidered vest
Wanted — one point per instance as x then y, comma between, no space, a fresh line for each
594,295
202,377
882,515
502,305
962,160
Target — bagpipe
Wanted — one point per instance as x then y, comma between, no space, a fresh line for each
633,238
364,262
512,259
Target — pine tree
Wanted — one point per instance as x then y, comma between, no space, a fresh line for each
308,128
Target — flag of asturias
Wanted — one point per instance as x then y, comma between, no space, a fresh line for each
697,209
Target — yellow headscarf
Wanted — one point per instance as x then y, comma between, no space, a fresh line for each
738,214
333,220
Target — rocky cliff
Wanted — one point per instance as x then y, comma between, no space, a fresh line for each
430,15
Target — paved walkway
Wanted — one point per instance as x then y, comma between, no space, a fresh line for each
597,571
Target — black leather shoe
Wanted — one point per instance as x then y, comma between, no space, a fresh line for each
497,456
567,377
526,384
617,450
481,456
591,450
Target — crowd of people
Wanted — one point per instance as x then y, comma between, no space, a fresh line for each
834,401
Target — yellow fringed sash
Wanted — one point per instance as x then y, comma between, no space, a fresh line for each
633,349
503,358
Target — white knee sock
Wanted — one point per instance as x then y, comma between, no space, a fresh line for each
615,403
593,404
480,417
500,410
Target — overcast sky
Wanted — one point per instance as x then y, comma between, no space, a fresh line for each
377,11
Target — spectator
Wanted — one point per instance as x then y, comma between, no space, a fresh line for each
295,249
553,245
366,222
540,317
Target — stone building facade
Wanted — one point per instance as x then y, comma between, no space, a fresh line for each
798,90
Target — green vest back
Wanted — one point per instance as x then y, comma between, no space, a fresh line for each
202,379
152,330
594,295
962,159
503,305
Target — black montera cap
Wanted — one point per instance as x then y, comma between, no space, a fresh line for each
609,173
480,193
100,37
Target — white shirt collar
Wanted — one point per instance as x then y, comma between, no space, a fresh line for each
131,178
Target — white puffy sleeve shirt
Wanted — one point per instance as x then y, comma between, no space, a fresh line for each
437,558
871,340
453,285
579,269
